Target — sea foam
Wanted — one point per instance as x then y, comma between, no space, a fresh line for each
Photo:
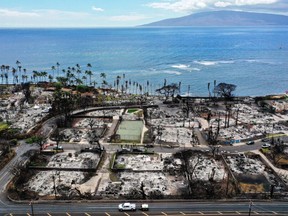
172,72
211,63
181,66
185,67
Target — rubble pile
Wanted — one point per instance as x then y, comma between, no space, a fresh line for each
207,168
74,160
43,182
152,173
95,123
241,164
140,162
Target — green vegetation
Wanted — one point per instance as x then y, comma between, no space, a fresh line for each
248,188
3,126
132,110
33,139
119,166
113,177
265,150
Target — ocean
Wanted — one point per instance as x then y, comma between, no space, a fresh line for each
254,59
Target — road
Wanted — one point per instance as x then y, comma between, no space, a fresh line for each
161,208
6,174
110,209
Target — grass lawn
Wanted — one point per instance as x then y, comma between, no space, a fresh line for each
132,110
3,126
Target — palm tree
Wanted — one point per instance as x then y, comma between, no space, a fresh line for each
24,70
6,78
78,72
208,86
126,85
43,74
18,63
78,81
35,75
14,74
50,77
85,78
53,70
57,65
104,83
23,78
117,81
89,73
103,75
2,77
148,86
214,87
94,83
73,70
7,68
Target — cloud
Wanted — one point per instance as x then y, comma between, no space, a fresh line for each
193,5
40,13
253,2
42,18
14,13
129,17
97,9
222,4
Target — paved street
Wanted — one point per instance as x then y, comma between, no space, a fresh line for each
163,209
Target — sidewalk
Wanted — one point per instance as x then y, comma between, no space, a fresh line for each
277,170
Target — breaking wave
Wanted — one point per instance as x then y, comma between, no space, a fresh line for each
211,63
172,72
185,67
181,66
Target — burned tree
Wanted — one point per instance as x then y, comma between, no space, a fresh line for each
168,90
212,137
225,90
64,102
187,169
94,138
91,123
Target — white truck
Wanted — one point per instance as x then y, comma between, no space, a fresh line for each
144,207
127,207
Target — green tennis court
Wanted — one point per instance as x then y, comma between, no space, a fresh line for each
130,131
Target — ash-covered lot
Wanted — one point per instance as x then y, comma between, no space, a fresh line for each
44,181
160,175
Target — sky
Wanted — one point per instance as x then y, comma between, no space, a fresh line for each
118,13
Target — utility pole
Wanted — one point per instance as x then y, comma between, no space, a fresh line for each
250,207
54,187
32,209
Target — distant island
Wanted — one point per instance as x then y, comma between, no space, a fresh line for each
225,18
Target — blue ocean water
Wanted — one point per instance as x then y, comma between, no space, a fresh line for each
255,59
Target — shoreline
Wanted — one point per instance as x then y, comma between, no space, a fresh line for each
284,94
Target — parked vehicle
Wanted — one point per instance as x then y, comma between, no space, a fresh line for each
144,207
266,145
127,207
58,149
250,143
265,140
149,146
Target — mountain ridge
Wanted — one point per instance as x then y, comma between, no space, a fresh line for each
224,18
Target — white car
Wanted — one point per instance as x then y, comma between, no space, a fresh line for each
127,207
266,145
144,207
